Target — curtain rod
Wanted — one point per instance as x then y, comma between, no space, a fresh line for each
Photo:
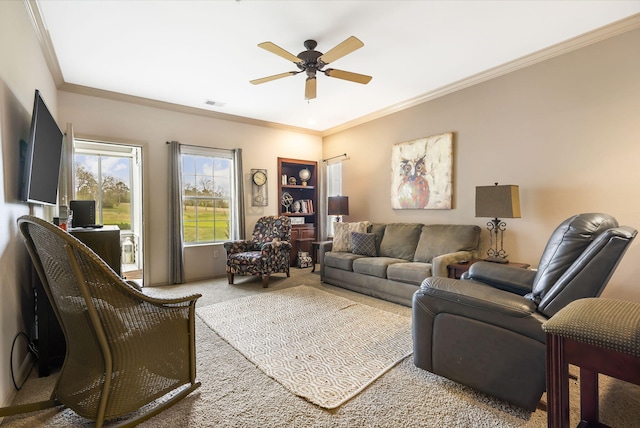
339,156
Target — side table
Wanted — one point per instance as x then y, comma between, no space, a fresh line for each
315,246
598,335
455,270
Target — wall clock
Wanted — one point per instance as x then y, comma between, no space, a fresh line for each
259,195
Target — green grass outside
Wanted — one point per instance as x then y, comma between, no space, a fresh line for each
119,215
209,225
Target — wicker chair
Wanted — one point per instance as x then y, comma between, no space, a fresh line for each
267,252
124,349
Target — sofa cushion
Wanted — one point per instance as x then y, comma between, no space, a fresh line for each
342,234
375,266
378,230
413,273
364,244
400,240
340,260
438,239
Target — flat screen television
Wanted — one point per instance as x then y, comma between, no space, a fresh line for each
43,156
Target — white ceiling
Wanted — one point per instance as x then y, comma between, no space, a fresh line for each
188,52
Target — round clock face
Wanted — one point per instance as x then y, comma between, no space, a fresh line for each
259,178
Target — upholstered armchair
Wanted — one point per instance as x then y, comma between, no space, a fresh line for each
485,330
267,252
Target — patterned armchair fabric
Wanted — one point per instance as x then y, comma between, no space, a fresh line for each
265,253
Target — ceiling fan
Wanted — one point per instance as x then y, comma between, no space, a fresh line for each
312,61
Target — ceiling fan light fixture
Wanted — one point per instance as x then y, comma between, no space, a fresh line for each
312,61
310,88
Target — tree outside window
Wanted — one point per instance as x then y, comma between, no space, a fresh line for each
105,179
206,198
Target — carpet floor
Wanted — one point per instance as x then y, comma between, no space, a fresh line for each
319,346
235,393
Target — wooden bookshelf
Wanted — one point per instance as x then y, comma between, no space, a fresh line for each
303,196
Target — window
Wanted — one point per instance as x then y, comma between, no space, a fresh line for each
334,188
111,174
207,189
104,172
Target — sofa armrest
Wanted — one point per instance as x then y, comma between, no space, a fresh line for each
439,264
502,276
324,247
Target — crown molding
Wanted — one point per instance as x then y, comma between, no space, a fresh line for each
45,41
616,28
164,105
619,27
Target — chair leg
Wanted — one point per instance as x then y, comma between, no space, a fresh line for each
29,407
557,383
589,407
265,281
288,274
230,277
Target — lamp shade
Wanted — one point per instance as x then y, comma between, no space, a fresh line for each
498,201
338,205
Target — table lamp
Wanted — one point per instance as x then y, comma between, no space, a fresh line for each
338,206
497,202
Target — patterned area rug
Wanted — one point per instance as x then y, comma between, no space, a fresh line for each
320,346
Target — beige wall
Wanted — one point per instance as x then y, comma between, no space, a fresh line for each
124,122
22,70
566,130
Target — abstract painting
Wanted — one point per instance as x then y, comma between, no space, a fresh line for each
421,173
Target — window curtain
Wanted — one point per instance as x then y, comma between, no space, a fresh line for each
176,259
239,231
67,187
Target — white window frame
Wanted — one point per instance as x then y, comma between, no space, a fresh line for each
334,188
211,153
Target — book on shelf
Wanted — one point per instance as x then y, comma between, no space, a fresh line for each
306,206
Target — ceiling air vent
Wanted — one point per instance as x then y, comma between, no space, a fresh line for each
215,103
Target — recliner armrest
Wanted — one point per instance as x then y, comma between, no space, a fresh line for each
476,296
502,276
480,302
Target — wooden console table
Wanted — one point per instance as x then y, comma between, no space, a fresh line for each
455,270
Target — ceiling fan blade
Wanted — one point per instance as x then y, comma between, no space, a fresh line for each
346,47
274,77
310,88
347,75
273,48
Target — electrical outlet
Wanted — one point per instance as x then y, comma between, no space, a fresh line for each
215,254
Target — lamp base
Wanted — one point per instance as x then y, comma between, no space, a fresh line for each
497,259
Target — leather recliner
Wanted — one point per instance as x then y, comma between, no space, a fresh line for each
485,329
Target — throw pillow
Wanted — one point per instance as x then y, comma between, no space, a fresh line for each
342,234
363,244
